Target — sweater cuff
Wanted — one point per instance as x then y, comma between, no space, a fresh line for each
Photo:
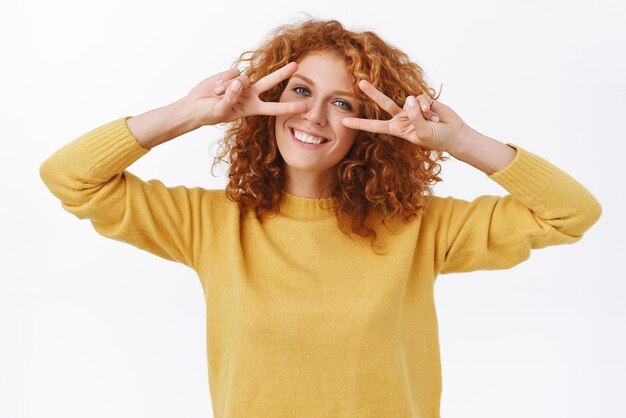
528,176
111,148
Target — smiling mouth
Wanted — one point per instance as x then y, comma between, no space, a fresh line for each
303,137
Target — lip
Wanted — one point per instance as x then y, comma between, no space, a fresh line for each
304,145
309,132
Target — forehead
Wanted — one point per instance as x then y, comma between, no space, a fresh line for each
325,68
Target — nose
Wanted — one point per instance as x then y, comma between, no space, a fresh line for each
315,113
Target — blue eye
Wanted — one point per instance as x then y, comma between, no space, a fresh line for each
296,89
346,105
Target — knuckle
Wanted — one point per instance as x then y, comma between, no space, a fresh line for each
227,73
230,74
413,117
230,96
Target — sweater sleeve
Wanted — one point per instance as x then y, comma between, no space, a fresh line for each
545,206
88,176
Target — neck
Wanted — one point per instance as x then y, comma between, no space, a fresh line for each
311,184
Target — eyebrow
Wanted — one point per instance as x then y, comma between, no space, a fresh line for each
308,80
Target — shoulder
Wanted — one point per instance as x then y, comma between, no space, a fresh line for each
438,208
432,210
435,205
217,199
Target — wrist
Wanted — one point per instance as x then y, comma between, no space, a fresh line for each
163,124
459,145
185,116
482,152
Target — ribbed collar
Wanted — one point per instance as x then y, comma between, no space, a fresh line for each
306,208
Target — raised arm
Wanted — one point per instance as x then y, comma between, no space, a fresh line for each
89,177
546,206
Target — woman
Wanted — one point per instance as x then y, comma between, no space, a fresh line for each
318,261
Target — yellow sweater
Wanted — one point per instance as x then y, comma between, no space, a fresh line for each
302,320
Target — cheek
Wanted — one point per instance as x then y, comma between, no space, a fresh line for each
348,135
342,131
279,122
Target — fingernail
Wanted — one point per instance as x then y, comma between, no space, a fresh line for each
411,101
435,119
235,85
424,106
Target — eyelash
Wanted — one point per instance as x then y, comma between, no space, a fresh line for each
349,108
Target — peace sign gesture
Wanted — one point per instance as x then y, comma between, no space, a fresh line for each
412,122
227,96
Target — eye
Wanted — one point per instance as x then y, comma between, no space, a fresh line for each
300,88
346,104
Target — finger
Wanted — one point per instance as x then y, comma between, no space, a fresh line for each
221,88
413,111
279,108
439,109
231,96
426,105
379,97
223,77
276,77
227,75
370,125
423,101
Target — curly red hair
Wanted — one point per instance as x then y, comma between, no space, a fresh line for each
380,173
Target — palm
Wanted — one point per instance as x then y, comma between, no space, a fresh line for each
409,123
402,127
213,108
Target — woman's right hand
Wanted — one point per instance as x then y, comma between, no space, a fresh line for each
227,96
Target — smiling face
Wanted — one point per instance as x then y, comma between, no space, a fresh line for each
323,83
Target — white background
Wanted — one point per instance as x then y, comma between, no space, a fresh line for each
91,327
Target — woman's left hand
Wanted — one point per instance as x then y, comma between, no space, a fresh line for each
413,123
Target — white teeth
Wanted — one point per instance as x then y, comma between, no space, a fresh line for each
301,136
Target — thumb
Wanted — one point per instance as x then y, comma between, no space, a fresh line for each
229,99
413,111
